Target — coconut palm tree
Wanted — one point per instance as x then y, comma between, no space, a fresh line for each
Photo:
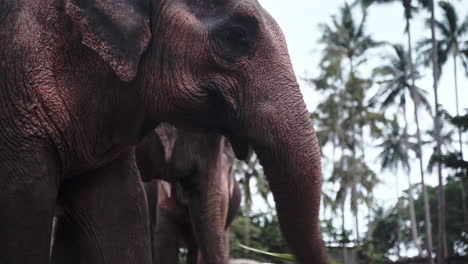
451,31
439,51
437,125
348,39
409,9
348,43
395,155
396,89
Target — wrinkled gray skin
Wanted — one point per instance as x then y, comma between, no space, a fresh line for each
81,81
196,209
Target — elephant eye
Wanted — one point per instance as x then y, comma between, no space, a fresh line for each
235,38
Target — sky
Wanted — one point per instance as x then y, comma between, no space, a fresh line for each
299,20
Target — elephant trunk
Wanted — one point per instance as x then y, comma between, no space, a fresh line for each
208,212
285,142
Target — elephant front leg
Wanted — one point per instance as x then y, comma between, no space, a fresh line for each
109,210
167,240
151,189
28,191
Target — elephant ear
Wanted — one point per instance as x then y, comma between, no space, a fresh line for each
118,30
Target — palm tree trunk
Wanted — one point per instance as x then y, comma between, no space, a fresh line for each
356,224
441,200
427,212
462,187
398,208
248,207
414,230
415,95
370,226
354,202
345,255
456,101
463,196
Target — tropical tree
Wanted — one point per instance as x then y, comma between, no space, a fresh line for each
451,31
409,9
396,89
464,56
346,45
395,155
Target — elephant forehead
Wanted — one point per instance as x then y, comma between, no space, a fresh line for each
168,135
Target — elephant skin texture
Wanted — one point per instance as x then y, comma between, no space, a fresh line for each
83,81
195,209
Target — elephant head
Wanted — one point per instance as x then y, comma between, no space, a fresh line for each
218,65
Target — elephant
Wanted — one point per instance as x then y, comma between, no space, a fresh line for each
192,211
175,228
197,207
83,81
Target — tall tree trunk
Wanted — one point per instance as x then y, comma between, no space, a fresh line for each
343,203
356,224
460,141
465,214
356,178
248,207
463,197
414,230
343,228
456,101
370,225
441,201
398,208
427,214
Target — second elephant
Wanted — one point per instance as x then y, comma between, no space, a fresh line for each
201,201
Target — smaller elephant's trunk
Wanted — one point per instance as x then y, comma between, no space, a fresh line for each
208,208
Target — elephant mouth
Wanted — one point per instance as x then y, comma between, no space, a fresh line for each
240,146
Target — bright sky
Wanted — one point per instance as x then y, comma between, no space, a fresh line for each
299,20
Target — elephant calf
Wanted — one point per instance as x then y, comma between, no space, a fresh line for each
201,201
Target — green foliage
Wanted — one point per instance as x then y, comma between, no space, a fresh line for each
265,236
369,255
286,257
395,87
451,30
384,236
456,228
454,160
385,222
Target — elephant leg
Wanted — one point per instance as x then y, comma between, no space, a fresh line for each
167,241
28,191
65,248
109,211
194,254
151,189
